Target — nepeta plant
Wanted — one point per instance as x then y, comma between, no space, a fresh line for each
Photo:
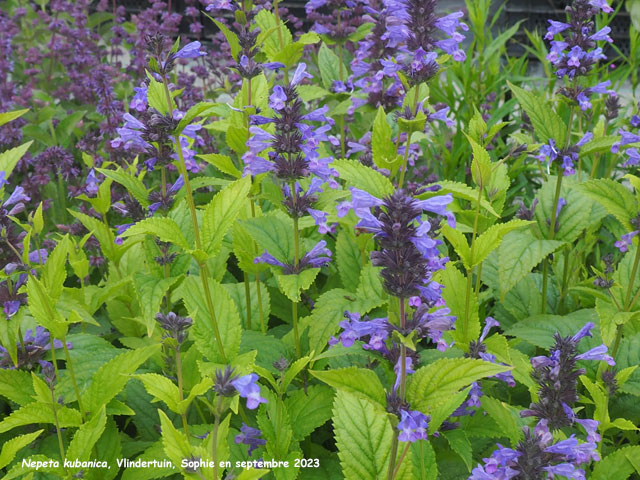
354,245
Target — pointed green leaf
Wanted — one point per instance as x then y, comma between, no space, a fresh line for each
360,382
614,197
363,437
293,285
111,378
86,437
164,228
226,315
365,178
40,413
546,123
13,446
9,158
518,254
431,385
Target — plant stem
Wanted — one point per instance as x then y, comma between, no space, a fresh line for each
467,301
247,295
296,258
185,423
73,377
263,327
634,273
58,432
404,161
394,454
403,351
204,269
214,437
565,281
399,462
552,234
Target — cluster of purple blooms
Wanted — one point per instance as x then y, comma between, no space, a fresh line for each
227,385
550,152
537,455
403,41
293,156
478,349
626,138
31,350
627,239
409,256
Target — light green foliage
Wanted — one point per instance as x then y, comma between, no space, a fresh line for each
364,178
546,123
518,254
430,386
363,436
359,382
226,315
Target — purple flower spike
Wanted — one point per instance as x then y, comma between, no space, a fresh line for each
554,28
3,180
248,388
320,218
250,436
277,99
190,50
625,241
39,256
139,100
583,332
413,426
597,353
300,74
220,5
18,196
318,256
268,259
602,5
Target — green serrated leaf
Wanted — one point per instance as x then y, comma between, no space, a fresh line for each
492,238
360,382
13,446
363,437
222,163
112,377
616,465
164,228
329,65
309,409
329,311
363,177
162,389
222,211
518,254
614,197
382,146
15,385
40,413
86,437
546,123
132,183
6,117
454,294
226,315
431,385
9,158
462,191
293,285
349,259
273,233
